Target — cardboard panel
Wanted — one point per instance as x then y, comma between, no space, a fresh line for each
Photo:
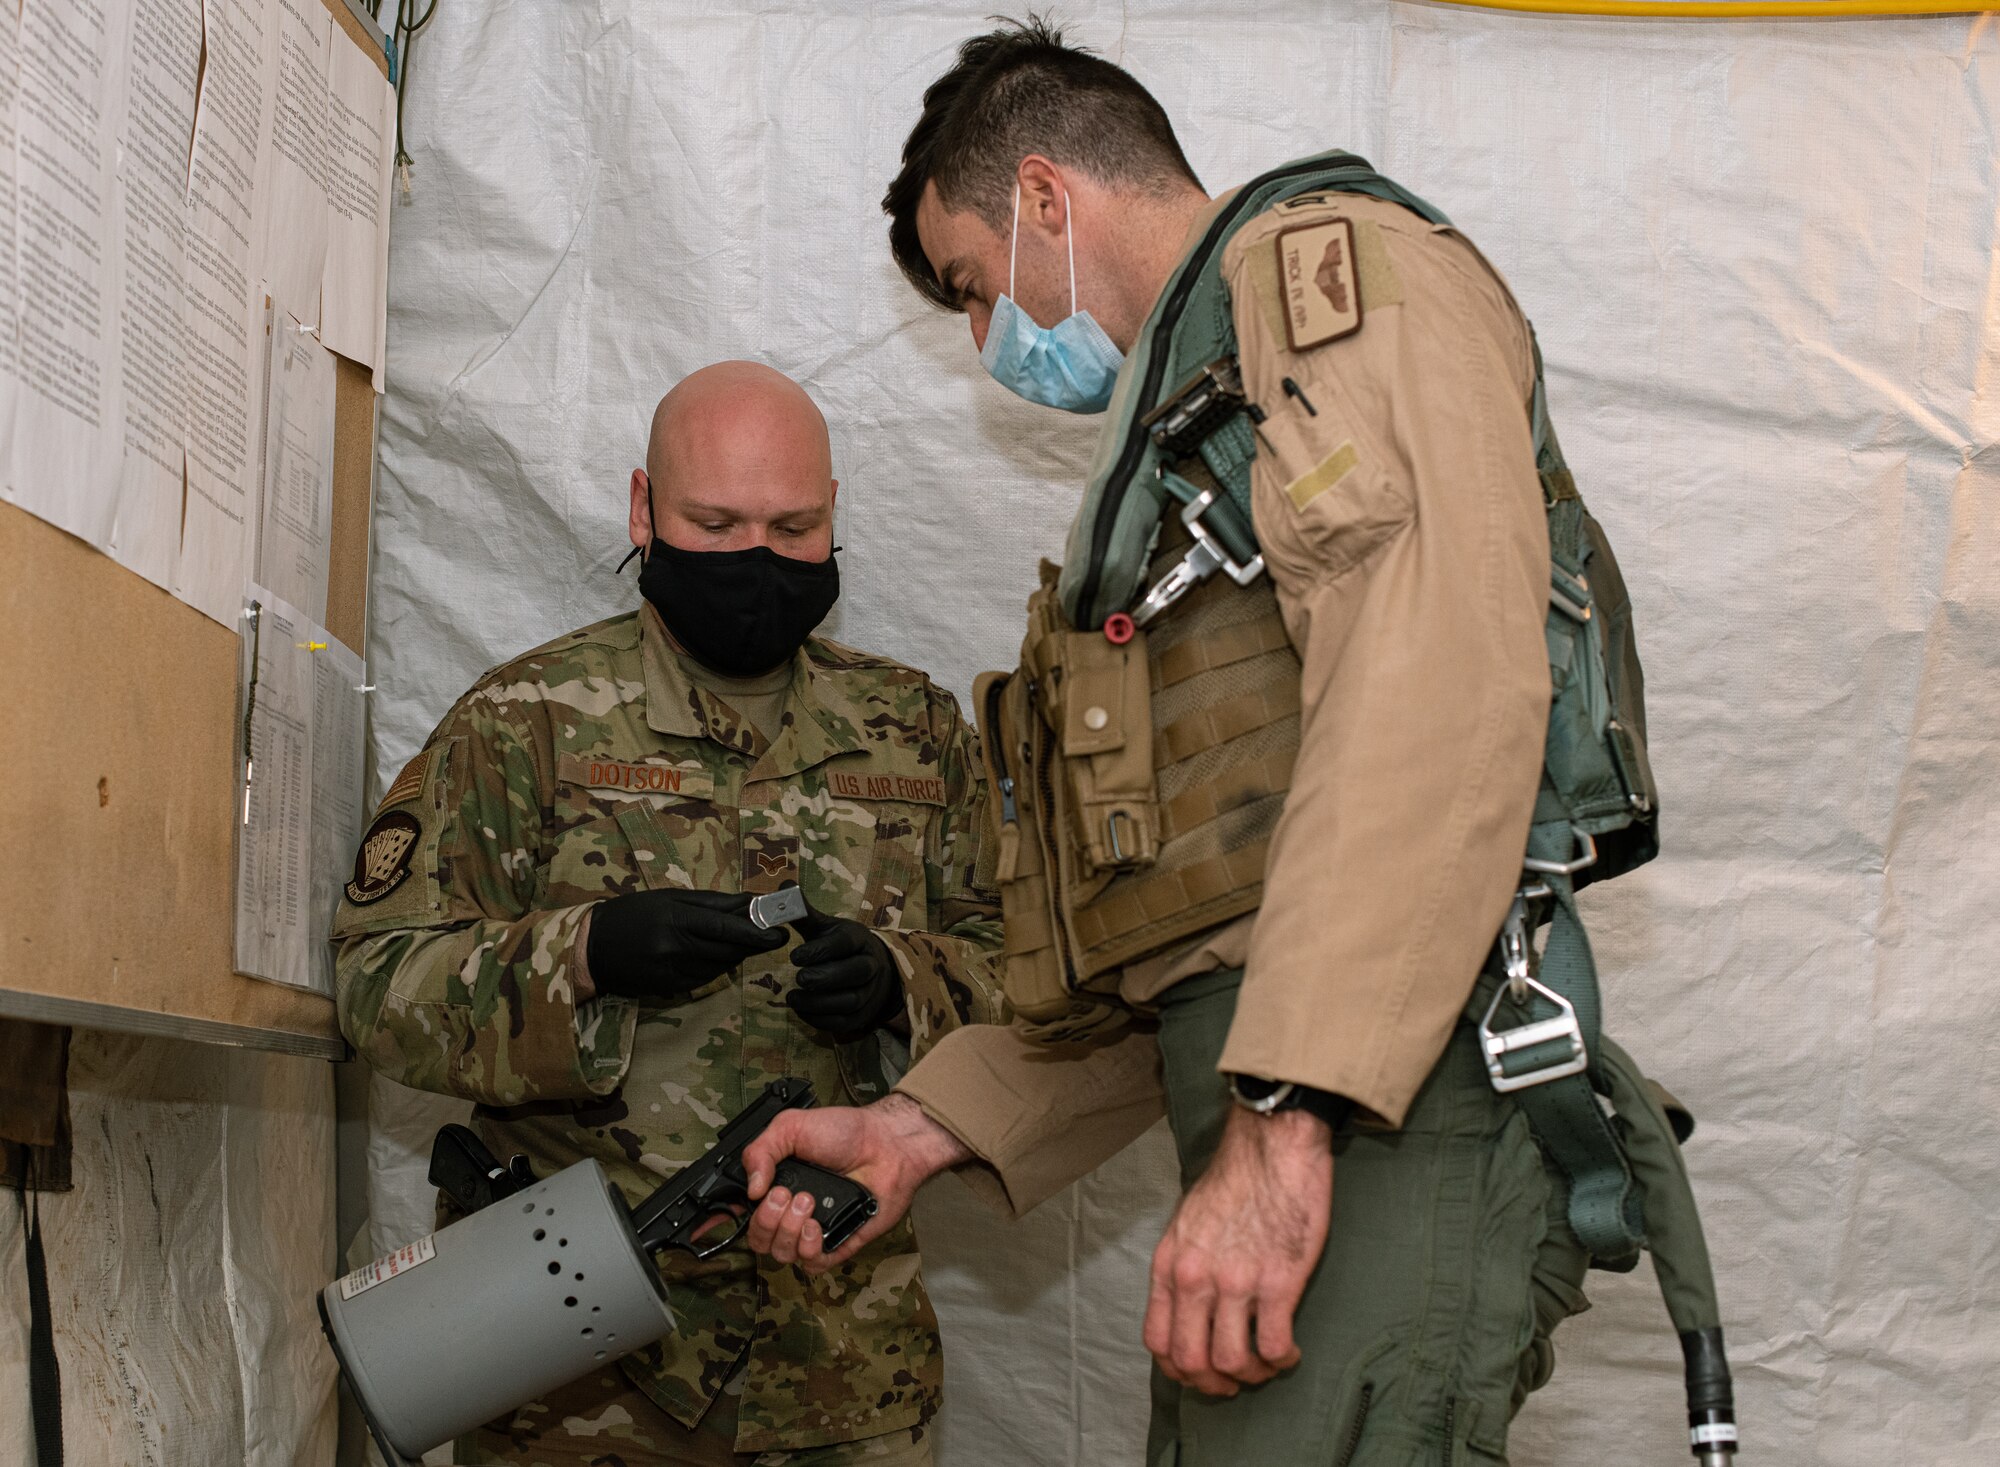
119,731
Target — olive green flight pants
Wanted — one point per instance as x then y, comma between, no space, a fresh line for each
1448,1265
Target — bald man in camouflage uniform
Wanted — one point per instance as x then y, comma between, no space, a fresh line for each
611,763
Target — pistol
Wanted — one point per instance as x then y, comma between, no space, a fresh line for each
472,1176
705,1206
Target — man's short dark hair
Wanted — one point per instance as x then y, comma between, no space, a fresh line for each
1017,90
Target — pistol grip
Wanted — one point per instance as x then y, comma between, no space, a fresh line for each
840,1204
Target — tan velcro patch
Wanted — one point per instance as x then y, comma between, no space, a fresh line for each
1380,284
1328,472
1375,274
1321,288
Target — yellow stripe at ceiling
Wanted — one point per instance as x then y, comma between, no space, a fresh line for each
1732,9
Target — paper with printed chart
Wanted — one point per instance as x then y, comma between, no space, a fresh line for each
299,791
295,512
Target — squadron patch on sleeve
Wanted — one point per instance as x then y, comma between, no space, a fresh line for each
383,862
1317,276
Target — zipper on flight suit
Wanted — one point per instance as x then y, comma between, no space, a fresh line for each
1360,1420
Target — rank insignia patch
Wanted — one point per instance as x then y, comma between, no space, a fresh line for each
1317,276
383,862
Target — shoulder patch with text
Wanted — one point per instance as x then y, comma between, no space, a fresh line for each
861,785
1317,276
635,777
383,862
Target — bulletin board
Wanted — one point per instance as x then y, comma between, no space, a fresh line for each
120,728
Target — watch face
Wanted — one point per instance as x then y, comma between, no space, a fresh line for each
1257,1092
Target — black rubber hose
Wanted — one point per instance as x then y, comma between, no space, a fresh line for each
1711,1399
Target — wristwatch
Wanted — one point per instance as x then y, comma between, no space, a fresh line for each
1268,1097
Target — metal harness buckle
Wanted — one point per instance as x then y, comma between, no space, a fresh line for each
1498,1044
1196,408
1520,987
1204,558
1586,855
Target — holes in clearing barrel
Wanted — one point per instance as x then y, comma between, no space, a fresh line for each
554,1267
570,1302
541,1233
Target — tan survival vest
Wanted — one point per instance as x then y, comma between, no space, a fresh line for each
1138,785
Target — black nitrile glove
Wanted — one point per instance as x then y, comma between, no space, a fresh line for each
660,944
848,983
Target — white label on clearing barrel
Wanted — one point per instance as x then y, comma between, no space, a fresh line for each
401,1261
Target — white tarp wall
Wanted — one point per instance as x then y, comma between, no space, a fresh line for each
184,1264
1759,257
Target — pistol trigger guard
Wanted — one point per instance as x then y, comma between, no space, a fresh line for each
702,1249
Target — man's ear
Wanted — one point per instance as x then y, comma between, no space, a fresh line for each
1044,195
640,523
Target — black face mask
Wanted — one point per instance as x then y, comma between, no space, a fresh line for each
739,612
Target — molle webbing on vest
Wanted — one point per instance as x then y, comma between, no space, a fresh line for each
1226,734
1226,645
1218,724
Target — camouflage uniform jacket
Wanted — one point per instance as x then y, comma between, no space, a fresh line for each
593,766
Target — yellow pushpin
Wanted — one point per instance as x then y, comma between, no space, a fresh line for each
311,646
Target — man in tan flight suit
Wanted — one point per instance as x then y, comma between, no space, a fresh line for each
1359,1202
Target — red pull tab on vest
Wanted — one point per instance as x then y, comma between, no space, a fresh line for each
1118,629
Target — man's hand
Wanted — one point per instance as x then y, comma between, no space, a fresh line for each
891,1148
1236,1257
660,944
848,982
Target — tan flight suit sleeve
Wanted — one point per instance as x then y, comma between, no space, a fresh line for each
1039,1116
1400,515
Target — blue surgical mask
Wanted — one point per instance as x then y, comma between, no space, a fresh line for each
1071,365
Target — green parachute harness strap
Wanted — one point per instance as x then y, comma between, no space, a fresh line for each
1627,1182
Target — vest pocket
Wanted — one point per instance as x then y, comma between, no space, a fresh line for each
1107,747
1031,963
1094,697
